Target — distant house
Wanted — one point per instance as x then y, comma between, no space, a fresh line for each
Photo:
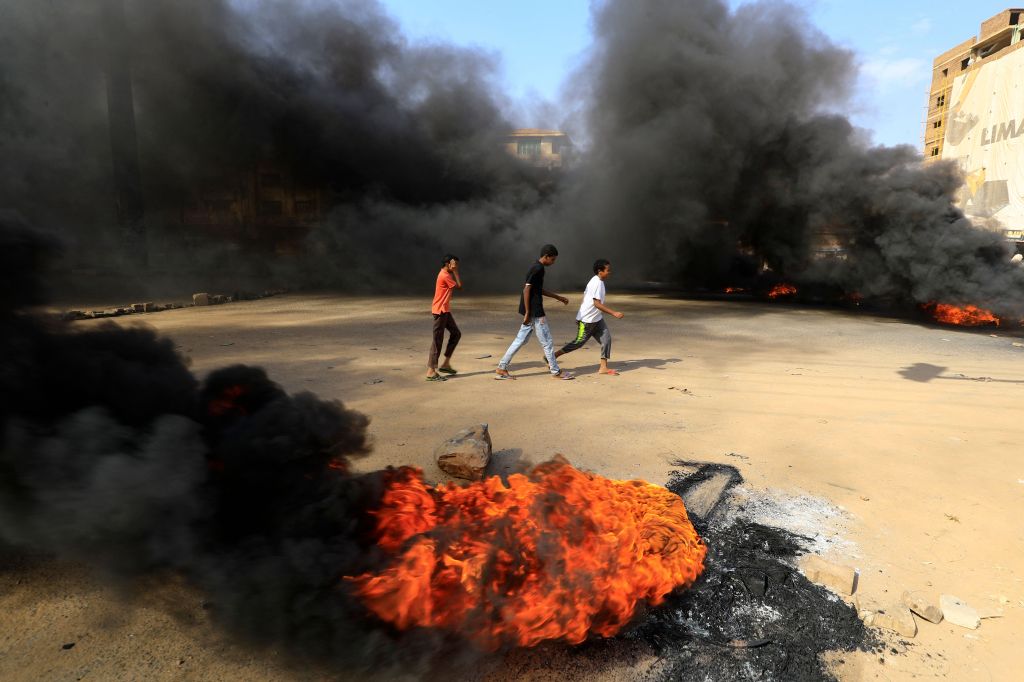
542,148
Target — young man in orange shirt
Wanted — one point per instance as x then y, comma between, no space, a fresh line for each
447,281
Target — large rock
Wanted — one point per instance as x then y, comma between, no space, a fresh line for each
466,454
836,577
201,299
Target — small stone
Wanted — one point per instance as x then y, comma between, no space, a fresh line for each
217,299
894,617
139,307
958,613
466,454
897,618
836,577
200,299
69,645
922,606
150,307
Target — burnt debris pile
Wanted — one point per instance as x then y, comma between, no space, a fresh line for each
752,614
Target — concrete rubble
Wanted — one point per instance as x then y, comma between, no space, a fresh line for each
922,606
836,577
199,299
894,617
957,612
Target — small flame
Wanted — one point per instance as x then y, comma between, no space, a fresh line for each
558,554
734,290
782,290
967,316
226,402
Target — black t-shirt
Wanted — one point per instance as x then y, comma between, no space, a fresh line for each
535,278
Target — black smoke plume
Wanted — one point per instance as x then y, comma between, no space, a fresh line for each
712,143
401,142
112,453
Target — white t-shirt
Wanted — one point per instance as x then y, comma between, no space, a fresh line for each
588,312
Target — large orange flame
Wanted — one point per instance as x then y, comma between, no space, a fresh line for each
782,290
967,316
558,554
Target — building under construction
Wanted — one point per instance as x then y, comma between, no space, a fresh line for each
976,118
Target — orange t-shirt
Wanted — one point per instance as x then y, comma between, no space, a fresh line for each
443,293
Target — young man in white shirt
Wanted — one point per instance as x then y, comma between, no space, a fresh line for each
590,320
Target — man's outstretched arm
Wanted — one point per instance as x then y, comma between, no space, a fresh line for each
608,311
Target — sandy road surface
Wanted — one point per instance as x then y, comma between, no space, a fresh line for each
912,432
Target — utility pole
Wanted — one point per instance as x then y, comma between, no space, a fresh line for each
124,143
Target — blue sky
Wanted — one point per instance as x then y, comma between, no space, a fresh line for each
895,41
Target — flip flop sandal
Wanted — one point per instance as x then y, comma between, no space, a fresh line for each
436,377
447,370
504,377
611,373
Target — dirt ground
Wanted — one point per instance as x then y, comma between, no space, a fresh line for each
906,430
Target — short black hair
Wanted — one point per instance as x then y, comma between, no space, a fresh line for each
548,250
448,258
600,264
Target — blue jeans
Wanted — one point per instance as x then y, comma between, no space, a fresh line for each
539,325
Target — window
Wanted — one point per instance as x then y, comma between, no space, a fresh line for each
945,72
935,151
937,124
1014,18
940,101
965,63
528,148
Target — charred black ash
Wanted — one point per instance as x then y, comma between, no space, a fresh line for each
751,615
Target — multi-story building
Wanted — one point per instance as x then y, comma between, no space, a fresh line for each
976,118
543,148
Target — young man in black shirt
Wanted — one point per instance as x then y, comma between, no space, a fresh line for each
531,307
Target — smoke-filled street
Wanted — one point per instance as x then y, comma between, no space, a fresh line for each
239,440
886,441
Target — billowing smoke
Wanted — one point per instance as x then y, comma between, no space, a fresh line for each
399,145
713,143
111,452
714,153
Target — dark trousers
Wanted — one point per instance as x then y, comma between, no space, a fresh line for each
442,322
587,330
